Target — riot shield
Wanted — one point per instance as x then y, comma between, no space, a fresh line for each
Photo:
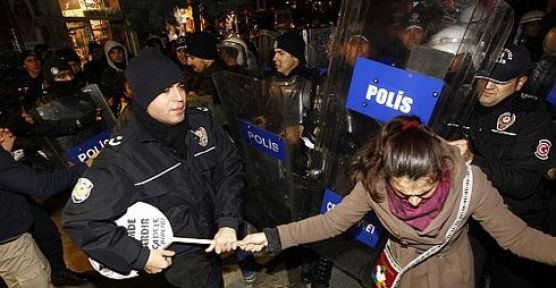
85,121
265,120
264,42
317,40
423,56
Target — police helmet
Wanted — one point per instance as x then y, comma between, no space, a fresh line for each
240,46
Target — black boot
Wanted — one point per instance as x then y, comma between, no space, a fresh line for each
322,271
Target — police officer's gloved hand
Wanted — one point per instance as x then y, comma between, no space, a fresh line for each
89,119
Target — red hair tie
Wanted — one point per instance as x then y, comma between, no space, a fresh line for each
409,124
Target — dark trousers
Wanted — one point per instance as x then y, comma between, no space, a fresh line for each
195,271
47,237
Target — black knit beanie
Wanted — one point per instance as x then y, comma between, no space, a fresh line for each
202,45
292,43
149,74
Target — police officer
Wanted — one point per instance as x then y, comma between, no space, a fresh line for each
30,83
509,136
177,159
202,55
70,56
65,103
413,33
289,62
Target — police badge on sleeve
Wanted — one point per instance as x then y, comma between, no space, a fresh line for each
82,190
543,149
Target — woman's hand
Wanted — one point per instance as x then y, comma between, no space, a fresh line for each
253,242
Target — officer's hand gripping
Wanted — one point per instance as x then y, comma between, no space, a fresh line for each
225,240
159,260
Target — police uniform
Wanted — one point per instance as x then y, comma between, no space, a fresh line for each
198,191
191,171
510,142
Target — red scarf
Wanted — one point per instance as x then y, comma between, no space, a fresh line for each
421,216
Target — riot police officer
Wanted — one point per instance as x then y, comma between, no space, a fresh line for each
509,138
65,101
176,159
30,87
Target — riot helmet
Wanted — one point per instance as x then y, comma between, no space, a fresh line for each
59,76
240,46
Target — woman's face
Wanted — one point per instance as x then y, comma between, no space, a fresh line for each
415,191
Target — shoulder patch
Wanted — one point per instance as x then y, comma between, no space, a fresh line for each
82,190
543,149
505,120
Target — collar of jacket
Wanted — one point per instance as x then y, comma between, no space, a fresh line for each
128,122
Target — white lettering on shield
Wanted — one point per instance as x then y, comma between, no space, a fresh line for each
390,99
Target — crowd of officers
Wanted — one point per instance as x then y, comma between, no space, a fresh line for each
509,136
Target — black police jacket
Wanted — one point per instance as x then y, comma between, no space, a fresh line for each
511,143
17,181
199,193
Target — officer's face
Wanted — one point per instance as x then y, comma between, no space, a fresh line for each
412,37
169,106
357,47
284,61
117,55
180,54
199,65
32,64
493,93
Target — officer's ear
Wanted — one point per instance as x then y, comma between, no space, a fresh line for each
521,82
